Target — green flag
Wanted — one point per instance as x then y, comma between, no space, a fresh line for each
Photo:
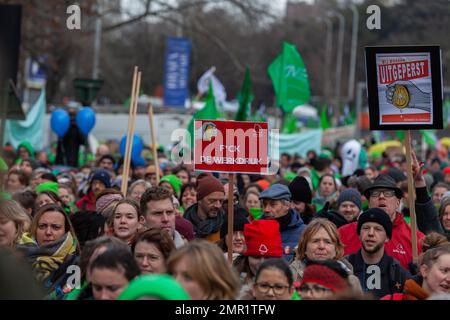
324,123
446,108
245,98
400,135
289,78
429,136
208,112
290,123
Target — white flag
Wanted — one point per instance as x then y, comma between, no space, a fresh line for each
218,88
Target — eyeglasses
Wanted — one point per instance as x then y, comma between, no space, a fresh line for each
277,289
318,290
386,193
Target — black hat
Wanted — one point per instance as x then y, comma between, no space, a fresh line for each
239,220
107,156
300,190
375,215
386,182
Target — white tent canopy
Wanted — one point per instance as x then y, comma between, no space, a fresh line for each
305,111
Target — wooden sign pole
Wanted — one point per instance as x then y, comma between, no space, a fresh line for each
230,216
130,114
154,149
411,196
130,132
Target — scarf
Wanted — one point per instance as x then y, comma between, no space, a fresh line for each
285,220
47,258
203,228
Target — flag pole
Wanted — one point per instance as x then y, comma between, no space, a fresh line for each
411,196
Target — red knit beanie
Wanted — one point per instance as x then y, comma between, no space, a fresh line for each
325,276
264,184
263,238
207,184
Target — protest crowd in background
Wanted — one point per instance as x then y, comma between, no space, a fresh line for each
307,232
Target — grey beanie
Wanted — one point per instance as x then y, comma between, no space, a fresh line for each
350,195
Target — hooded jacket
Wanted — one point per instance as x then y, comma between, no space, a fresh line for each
291,234
399,247
87,202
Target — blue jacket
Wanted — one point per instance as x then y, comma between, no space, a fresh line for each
291,234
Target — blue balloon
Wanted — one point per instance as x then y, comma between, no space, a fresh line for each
60,122
138,162
136,149
85,120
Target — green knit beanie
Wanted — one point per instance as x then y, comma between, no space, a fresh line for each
160,286
174,182
48,186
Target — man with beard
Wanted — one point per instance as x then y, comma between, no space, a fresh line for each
100,181
378,273
277,205
207,215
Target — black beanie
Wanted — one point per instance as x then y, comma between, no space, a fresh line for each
239,220
375,215
300,190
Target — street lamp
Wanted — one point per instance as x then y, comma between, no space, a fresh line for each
351,74
338,58
328,51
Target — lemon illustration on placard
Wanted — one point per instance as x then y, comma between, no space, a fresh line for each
401,97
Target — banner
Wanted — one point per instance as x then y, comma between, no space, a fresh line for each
176,71
31,129
300,143
231,146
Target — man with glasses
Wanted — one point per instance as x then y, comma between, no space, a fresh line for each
384,194
207,215
277,205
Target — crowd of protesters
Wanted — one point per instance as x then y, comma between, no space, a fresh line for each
308,232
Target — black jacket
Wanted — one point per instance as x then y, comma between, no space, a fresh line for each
331,215
392,275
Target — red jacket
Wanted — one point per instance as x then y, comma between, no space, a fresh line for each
399,247
86,203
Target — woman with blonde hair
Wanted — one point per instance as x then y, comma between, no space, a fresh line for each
319,242
14,222
126,220
202,270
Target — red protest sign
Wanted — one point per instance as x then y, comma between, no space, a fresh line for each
231,146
